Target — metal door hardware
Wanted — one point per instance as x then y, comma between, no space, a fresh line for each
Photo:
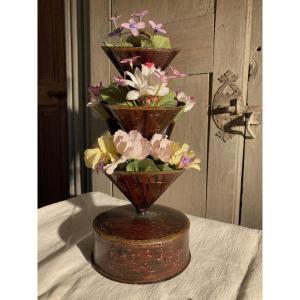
230,113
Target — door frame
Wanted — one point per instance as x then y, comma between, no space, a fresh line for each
77,69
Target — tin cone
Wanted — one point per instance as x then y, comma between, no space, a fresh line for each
142,189
160,57
146,120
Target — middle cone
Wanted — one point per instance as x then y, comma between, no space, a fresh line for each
146,120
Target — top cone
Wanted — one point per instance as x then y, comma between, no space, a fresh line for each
160,57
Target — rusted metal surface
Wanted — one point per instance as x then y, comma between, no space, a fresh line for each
160,57
141,248
230,113
146,120
142,189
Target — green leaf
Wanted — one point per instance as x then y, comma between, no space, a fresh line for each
99,110
135,41
147,44
144,165
168,100
164,167
160,41
108,44
114,94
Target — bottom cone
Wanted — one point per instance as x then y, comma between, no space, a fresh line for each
142,189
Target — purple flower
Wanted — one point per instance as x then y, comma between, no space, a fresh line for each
116,32
185,161
129,61
114,20
140,14
133,26
95,91
157,27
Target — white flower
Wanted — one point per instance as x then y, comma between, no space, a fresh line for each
146,83
188,100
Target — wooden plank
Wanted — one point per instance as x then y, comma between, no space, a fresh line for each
164,11
188,193
232,36
189,24
251,210
99,67
194,37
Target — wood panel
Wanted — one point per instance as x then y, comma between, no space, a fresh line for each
188,193
189,24
251,209
232,36
99,68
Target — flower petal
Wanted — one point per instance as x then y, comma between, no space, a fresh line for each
133,95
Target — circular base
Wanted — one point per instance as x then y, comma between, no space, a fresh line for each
141,249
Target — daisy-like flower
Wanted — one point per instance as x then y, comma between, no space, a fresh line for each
157,27
133,26
145,83
188,100
130,61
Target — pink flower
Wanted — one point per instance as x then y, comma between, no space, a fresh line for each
162,75
130,61
133,26
176,73
130,145
149,64
161,148
185,161
120,81
94,91
157,27
188,100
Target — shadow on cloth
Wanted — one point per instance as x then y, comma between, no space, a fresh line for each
77,229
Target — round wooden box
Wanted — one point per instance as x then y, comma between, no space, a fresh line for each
141,248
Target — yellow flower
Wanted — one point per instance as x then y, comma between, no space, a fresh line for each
104,153
184,159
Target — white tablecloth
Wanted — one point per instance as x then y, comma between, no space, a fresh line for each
226,259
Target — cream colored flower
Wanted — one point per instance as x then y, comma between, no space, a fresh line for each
146,82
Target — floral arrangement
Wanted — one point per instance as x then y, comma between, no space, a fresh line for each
132,152
147,86
135,33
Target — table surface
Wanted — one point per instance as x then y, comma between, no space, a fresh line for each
226,259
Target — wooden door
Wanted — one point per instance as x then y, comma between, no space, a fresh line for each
53,180
214,36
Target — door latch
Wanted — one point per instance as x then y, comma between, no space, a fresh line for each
229,112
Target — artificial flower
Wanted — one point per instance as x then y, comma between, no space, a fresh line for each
140,14
130,145
176,73
103,154
188,100
130,61
145,83
161,147
120,80
133,26
157,27
182,158
94,91
114,20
